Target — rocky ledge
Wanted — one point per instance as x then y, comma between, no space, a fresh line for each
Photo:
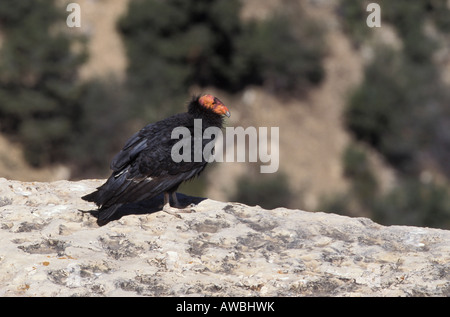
51,245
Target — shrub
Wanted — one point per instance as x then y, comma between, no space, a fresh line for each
381,113
38,71
173,45
283,60
269,191
415,203
102,129
353,16
357,168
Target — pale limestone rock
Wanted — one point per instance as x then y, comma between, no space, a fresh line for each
50,247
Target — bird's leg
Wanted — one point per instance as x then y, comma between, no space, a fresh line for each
175,200
178,205
171,210
167,208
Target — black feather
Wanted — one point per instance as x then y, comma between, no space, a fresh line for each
92,197
144,168
106,213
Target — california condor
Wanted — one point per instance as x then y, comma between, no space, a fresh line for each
144,168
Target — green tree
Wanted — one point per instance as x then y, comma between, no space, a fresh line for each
175,44
283,53
269,191
357,168
414,203
382,113
102,129
38,72
400,109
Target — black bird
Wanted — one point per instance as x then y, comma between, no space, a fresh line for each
144,168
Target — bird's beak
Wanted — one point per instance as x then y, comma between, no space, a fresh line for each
223,110
220,108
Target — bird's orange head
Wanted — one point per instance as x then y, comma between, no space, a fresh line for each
214,104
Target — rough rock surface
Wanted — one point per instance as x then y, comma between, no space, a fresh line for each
50,246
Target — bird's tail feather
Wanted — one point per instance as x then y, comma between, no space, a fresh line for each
105,214
119,190
106,194
92,197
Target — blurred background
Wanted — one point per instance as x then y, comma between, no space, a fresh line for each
364,113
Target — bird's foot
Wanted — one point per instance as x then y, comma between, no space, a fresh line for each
177,211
